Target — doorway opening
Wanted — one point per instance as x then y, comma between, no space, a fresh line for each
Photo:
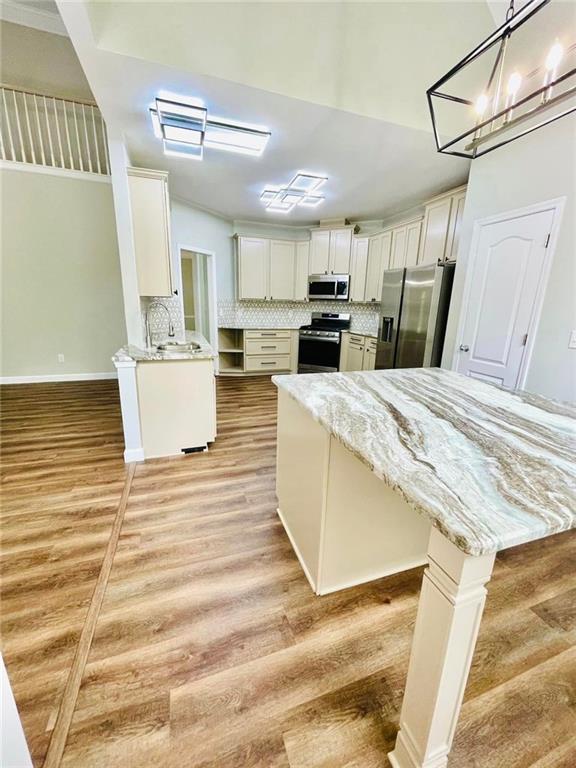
198,291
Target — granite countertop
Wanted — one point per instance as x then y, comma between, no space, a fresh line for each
131,353
490,467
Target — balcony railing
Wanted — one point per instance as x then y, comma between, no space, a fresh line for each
52,132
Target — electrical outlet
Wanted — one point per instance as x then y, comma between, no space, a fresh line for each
572,342
60,357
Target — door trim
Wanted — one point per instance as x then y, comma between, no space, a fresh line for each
557,206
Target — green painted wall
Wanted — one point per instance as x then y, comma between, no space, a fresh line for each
61,287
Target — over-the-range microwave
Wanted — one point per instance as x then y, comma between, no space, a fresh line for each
328,287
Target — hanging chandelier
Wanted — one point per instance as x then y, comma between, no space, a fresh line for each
522,77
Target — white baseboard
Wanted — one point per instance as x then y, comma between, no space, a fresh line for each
133,454
297,551
57,377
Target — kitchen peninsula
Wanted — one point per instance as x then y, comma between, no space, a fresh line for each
168,397
487,468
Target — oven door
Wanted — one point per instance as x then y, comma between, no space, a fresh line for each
321,287
317,355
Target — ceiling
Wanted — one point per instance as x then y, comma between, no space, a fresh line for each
341,86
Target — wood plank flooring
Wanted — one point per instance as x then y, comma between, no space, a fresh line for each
209,649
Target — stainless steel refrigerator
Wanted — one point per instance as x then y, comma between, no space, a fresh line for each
413,316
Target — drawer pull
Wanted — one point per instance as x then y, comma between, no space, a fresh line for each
271,362
268,334
269,346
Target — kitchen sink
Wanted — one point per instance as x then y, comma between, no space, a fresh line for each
178,347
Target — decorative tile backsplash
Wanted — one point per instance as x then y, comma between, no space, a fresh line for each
159,321
292,314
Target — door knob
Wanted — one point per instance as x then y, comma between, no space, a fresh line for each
464,348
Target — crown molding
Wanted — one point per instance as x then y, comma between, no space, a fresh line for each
28,16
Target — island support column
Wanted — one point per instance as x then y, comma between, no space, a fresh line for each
449,614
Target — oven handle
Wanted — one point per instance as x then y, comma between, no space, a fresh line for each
323,340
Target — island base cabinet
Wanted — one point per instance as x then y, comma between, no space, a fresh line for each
177,404
449,614
346,526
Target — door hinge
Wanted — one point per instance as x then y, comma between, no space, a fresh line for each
525,340
547,243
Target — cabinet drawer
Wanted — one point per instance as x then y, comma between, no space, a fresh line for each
267,334
370,343
355,339
268,346
267,363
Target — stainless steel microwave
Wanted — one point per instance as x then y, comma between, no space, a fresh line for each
328,287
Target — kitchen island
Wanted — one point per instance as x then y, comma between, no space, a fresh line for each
168,397
489,469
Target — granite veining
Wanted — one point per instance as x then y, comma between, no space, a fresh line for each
490,467
130,352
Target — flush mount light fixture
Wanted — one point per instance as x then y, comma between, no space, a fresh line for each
513,83
185,129
302,190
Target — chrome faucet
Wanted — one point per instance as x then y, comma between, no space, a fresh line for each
154,305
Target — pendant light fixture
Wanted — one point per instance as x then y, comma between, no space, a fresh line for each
519,79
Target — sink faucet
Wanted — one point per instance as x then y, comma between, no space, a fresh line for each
154,305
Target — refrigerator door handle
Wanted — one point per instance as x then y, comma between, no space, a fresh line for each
387,326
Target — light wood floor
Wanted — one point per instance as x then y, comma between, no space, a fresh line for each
209,649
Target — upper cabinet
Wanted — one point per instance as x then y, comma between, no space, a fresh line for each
253,267
441,227
150,208
272,270
330,251
405,244
379,248
358,267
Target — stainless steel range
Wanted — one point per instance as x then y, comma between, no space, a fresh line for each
319,342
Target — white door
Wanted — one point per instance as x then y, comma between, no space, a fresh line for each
340,247
319,252
282,269
506,273
302,271
254,257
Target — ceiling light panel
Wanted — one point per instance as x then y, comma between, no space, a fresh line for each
300,191
179,149
180,123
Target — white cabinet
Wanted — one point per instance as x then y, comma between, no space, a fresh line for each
319,251
282,270
150,209
378,260
355,356
405,243
359,352
358,267
330,251
369,356
441,228
302,270
413,232
253,267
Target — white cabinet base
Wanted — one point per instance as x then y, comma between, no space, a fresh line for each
449,614
346,526
177,401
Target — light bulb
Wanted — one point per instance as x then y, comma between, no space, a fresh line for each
481,104
514,83
554,56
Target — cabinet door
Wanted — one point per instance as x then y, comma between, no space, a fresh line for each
253,263
340,248
302,271
456,215
369,358
435,234
378,261
398,252
151,227
358,268
355,359
412,243
319,252
282,269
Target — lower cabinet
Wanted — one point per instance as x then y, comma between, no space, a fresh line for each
250,351
358,352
